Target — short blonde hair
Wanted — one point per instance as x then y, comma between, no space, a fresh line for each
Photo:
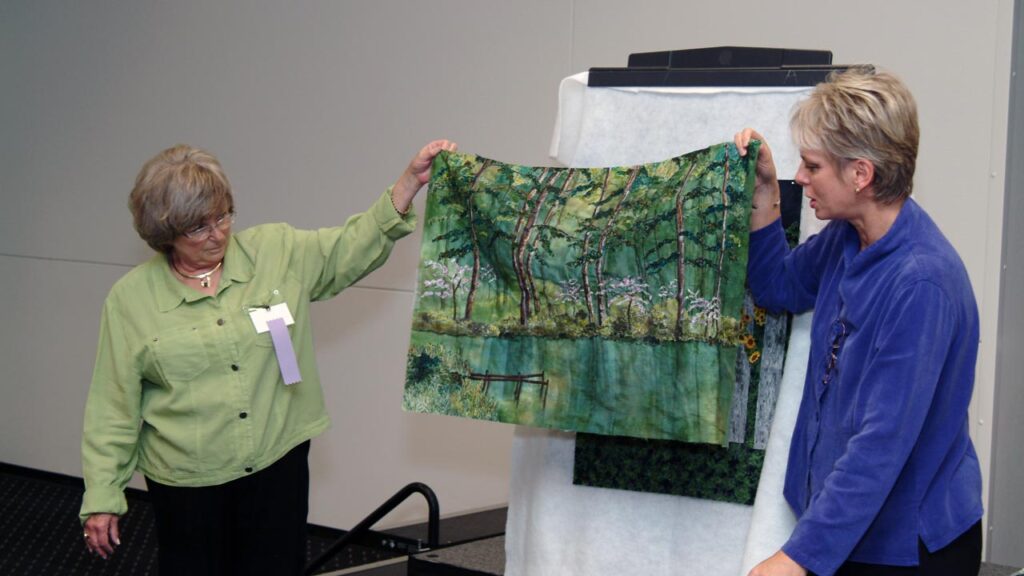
176,191
863,114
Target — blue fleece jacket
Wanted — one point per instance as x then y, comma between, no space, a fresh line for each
880,454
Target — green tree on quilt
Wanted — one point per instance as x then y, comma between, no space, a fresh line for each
602,300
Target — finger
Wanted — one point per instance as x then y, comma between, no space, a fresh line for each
742,139
90,533
115,531
438,145
96,548
99,538
87,539
105,547
431,150
97,542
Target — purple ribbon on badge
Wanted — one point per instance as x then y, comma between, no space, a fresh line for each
285,353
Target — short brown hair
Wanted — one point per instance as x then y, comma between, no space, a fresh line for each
863,114
176,191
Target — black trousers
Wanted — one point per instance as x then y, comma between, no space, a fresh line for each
252,525
962,557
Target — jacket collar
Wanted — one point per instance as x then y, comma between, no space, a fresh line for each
860,263
171,293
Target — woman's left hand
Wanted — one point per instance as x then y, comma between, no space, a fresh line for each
779,564
417,174
101,534
765,209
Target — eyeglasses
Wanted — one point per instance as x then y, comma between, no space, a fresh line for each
838,335
202,233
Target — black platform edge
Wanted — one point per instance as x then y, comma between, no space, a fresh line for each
418,567
455,529
397,567
484,557
730,57
795,76
720,66
461,528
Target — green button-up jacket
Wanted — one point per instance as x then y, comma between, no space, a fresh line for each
185,390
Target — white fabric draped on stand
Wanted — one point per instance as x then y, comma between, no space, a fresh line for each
557,528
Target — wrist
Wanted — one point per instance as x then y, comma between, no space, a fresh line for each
394,204
766,205
764,211
767,195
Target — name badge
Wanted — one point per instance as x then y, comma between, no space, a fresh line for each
262,316
276,319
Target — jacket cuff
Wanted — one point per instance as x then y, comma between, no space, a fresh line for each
102,500
393,224
798,551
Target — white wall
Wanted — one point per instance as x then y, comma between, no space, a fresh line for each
315,107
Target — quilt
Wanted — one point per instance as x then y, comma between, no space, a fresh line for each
601,300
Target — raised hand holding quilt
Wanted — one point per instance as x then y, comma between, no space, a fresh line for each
602,300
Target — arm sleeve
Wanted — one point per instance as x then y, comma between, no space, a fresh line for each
339,257
112,417
782,279
898,383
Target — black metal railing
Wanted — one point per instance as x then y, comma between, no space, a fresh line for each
361,529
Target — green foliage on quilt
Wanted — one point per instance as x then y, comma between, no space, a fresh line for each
438,387
603,300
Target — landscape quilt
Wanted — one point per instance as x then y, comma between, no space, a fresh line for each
602,300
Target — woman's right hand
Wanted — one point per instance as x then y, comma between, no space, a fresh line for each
101,534
779,564
766,191
417,174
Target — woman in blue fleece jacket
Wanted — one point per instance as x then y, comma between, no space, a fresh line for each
882,474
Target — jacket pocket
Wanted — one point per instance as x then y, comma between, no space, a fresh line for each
181,354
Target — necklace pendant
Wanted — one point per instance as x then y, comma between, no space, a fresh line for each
204,278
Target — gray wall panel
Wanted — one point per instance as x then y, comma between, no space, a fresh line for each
49,344
313,110
1006,530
